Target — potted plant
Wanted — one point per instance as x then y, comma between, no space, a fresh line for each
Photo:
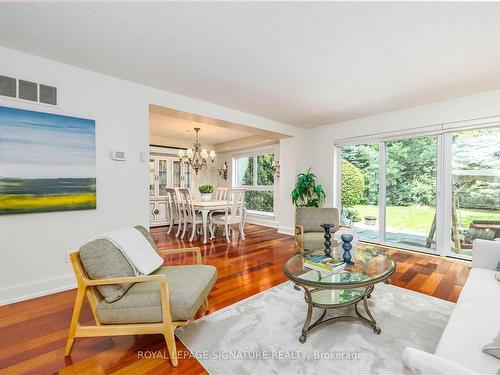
307,193
206,192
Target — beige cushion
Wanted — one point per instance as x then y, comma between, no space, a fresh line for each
311,218
188,286
315,241
103,260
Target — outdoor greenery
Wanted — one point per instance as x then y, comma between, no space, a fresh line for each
411,175
206,189
419,218
259,200
411,167
353,184
306,192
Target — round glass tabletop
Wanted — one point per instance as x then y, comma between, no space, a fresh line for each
371,265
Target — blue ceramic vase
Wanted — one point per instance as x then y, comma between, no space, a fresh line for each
347,246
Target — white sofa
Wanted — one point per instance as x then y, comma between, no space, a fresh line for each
474,323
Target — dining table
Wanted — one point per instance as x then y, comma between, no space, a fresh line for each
212,205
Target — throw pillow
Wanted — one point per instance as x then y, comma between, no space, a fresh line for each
493,348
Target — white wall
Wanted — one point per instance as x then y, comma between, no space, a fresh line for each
319,148
292,161
33,246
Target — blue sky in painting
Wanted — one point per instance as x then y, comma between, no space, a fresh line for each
43,145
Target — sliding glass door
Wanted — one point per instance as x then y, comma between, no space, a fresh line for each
434,193
475,188
410,189
360,189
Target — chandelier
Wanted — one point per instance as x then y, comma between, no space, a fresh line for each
197,157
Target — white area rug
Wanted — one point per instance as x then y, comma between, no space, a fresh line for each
260,335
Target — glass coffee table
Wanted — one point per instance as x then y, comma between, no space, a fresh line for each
348,287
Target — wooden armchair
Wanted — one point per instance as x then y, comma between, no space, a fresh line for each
161,320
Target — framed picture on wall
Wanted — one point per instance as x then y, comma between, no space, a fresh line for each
47,162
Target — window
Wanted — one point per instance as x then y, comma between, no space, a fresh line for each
256,174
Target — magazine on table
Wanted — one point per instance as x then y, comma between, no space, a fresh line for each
324,264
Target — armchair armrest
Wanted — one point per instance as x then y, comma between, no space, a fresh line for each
124,280
299,236
195,250
485,254
418,362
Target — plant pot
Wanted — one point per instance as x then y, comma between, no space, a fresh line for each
370,220
205,197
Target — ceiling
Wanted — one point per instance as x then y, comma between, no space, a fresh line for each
180,129
304,64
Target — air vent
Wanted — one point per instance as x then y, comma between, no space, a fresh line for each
27,90
48,94
8,86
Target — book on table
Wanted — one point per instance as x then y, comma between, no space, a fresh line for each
324,263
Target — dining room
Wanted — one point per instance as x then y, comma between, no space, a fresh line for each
209,178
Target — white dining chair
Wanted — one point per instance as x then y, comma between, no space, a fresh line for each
189,215
233,214
174,211
221,193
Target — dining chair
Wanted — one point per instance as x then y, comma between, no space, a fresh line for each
233,214
189,214
174,211
221,193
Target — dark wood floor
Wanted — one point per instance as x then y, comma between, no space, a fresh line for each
33,333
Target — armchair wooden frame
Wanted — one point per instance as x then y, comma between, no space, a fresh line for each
87,287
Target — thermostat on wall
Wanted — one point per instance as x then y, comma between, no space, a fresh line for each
118,155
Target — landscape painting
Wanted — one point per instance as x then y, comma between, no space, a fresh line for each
47,162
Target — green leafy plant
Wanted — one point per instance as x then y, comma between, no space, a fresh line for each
353,184
306,192
206,189
352,214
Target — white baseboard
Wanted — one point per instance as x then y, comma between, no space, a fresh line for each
262,220
286,230
36,289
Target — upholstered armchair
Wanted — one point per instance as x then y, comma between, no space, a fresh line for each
124,304
309,234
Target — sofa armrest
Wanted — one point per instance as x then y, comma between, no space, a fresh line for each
485,254
418,362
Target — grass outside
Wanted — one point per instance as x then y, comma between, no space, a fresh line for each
16,203
419,218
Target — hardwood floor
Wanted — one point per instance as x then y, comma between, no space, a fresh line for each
33,333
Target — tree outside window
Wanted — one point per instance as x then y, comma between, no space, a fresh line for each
257,175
